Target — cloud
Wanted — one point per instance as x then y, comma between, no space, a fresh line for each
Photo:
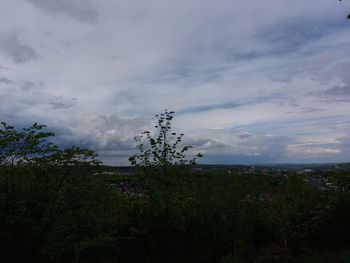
344,142
234,146
320,151
338,91
29,99
245,135
249,81
112,136
62,103
29,85
13,48
6,81
78,9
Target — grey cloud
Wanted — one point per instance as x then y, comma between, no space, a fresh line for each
77,9
15,49
19,96
306,110
47,100
338,91
228,105
273,146
62,103
3,68
291,35
112,136
345,141
317,152
239,144
30,85
205,143
311,109
245,135
212,65
211,107
111,132
6,81
343,89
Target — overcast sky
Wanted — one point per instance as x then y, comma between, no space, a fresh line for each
250,81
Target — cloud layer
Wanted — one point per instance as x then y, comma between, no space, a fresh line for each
250,81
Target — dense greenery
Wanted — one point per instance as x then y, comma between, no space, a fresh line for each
58,205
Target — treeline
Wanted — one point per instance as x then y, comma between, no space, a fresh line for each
57,205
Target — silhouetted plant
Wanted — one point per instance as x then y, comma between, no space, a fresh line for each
163,148
49,199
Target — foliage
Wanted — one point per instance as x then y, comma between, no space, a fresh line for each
31,146
49,201
57,205
161,149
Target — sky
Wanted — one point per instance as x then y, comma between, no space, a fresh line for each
250,81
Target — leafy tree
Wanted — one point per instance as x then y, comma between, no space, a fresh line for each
31,146
163,148
294,214
51,205
23,147
161,168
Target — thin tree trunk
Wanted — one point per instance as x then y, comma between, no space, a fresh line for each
77,250
285,249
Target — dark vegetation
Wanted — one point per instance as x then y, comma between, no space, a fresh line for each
61,205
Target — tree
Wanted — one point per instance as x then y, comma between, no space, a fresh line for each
32,146
163,148
48,194
161,171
